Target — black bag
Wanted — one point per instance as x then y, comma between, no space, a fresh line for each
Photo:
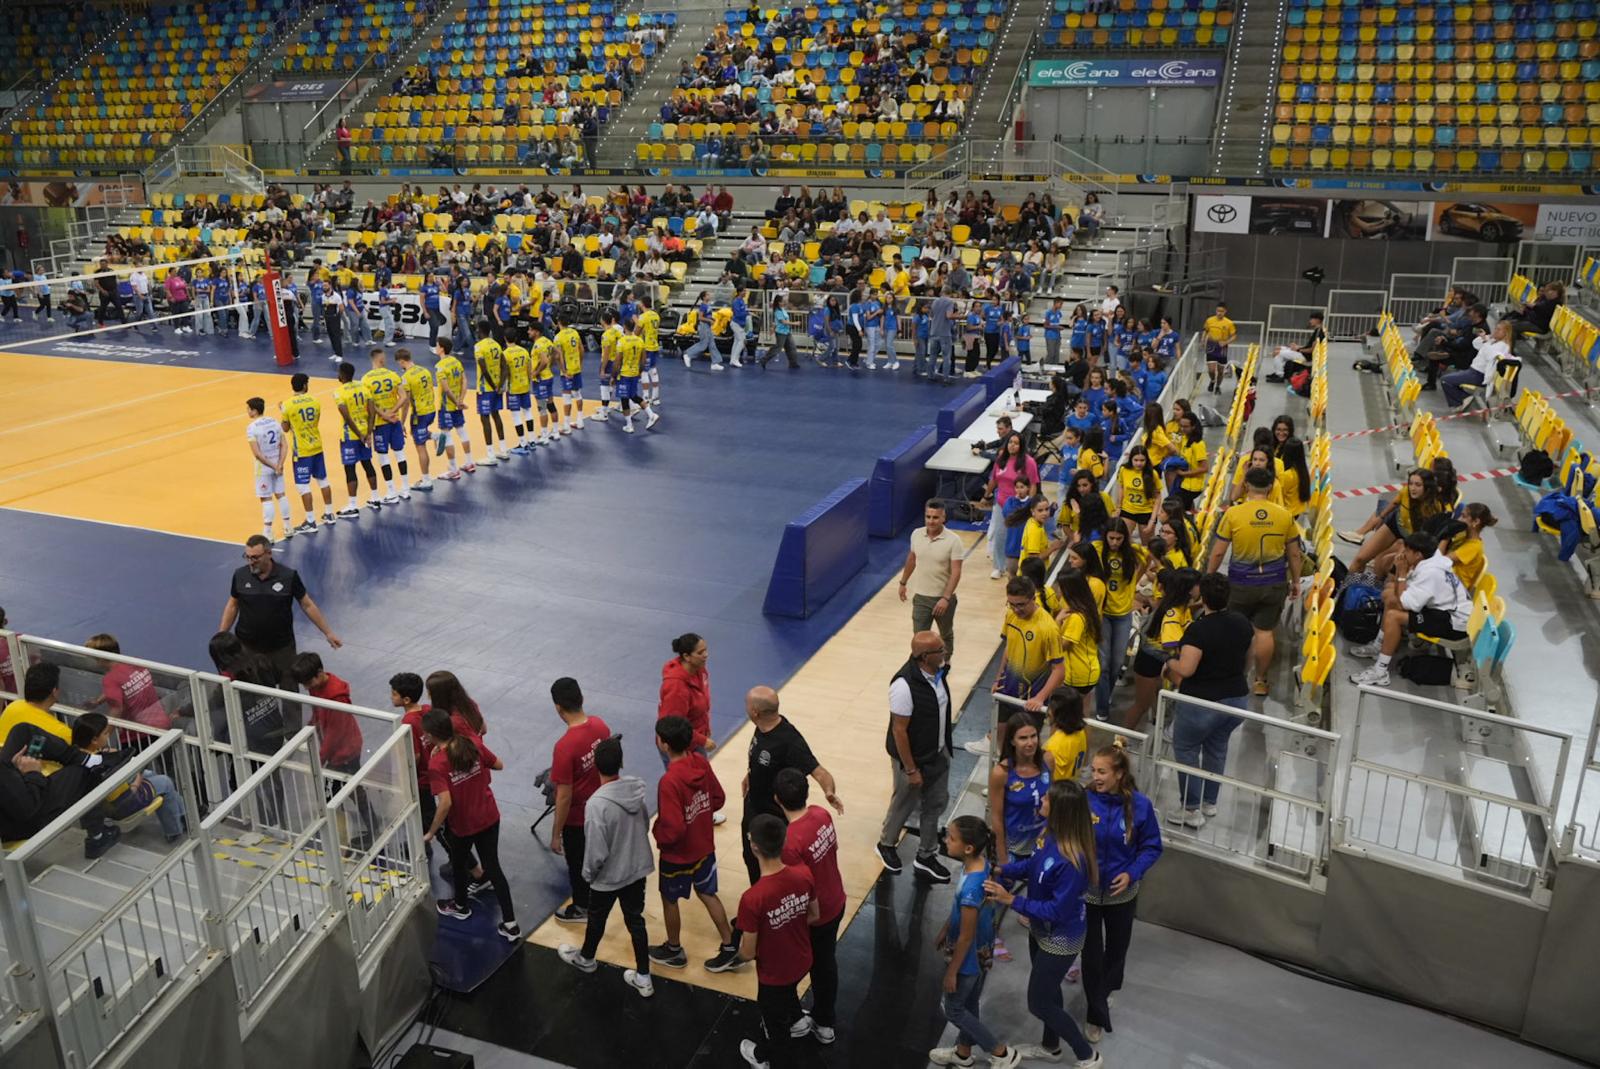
1536,467
1360,613
1427,670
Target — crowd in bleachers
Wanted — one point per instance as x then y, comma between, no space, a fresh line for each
124,105
340,41
872,82
1439,86
513,82
1139,24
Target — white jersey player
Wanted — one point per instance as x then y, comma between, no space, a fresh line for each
265,436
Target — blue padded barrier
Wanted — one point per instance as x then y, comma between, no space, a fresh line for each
901,484
954,416
998,379
821,550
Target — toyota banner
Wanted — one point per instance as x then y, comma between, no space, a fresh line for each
1069,74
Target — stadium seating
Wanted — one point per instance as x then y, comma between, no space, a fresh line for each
43,39
1138,24
1415,86
124,106
341,40
952,38
565,44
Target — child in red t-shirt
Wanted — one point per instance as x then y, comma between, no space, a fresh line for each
812,843
774,925
459,767
338,733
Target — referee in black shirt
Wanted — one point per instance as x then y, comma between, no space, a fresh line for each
775,745
261,601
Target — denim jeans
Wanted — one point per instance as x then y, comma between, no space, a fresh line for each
873,336
1045,1001
704,344
203,323
1200,740
997,537
919,361
739,334
171,812
941,357
143,308
1114,632
961,1010
1451,385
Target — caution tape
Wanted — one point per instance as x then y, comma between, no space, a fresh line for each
1441,419
1395,488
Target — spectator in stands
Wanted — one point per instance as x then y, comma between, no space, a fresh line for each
91,733
338,734
342,141
1453,315
128,691
1453,346
1290,359
919,746
30,800
41,690
261,600
1424,595
1262,543
1210,665
1493,356
1535,318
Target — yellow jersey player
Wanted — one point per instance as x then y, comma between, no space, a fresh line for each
355,440
302,418
390,405
610,333
1220,331
418,383
519,389
266,448
544,383
490,357
649,324
630,369
570,345
452,410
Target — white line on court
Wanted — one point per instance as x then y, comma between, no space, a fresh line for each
124,526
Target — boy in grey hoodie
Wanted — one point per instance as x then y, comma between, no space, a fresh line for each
616,862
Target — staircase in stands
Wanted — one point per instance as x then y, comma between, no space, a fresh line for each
988,114
1244,107
697,20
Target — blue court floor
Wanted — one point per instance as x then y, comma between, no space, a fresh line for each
585,559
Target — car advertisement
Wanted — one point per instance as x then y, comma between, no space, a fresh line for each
1281,216
1481,220
1378,220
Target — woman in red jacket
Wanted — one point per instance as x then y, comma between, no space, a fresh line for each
686,692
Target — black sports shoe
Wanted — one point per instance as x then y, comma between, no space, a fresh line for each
478,887
891,859
931,869
571,914
727,960
449,907
668,956
102,840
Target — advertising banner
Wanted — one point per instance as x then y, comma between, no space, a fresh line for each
1298,216
1227,214
308,89
1481,220
1578,224
1081,73
1378,220
67,193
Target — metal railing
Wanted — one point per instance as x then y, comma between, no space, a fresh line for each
98,982
1548,261
277,881
1266,804
219,162
1353,313
377,823
1287,324
1412,296
1582,837
1453,791
1485,275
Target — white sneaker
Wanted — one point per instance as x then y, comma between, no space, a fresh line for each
996,573
1372,677
603,415
573,956
639,982
628,427
716,367
1009,1060
977,746
686,360
822,1034
893,365
1186,818
504,454
1208,811
747,1050
719,818
1095,1061
736,363
1034,1053
950,1056
1351,536
1093,1033
802,1027
1367,650
489,461
391,499
652,419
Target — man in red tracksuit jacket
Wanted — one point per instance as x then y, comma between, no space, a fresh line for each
686,798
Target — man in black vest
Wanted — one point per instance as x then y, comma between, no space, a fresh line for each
918,743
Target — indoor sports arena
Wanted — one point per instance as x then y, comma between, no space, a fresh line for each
592,533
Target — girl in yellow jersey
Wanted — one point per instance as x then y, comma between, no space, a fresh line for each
1160,637
1466,549
1294,477
1085,558
1139,490
1260,457
1192,448
1080,633
1156,439
1123,564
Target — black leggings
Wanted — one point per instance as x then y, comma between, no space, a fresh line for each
572,845
855,343
1105,952
631,899
825,970
486,844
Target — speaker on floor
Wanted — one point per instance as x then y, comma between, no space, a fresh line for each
422,1056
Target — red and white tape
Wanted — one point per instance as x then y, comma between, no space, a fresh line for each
1394,488
1441,419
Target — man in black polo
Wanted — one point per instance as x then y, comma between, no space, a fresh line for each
261,600
919,753
775,745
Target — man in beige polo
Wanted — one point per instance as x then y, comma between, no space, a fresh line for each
933,568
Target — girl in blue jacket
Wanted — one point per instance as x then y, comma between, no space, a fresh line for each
1127,840
1058,874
